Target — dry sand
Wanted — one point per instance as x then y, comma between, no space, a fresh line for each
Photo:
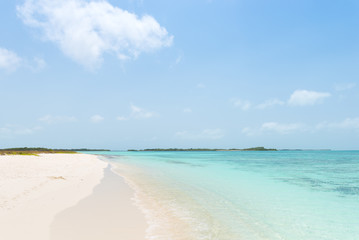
37,192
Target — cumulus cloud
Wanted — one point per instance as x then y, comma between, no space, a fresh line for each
344,86
304,97
348,123
288,128
270,103
97,118
9,60
85,30
242,104
281,128
10,130
209,134
137,113
50,119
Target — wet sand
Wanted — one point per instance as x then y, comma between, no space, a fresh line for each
108,214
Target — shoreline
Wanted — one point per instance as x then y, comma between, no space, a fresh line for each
109,213
36,190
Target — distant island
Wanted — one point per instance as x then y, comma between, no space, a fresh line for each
35,151
89,150
200,149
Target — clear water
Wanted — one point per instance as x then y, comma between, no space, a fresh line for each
292,195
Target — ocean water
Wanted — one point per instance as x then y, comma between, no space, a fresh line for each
291,195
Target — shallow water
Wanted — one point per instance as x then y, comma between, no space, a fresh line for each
294,195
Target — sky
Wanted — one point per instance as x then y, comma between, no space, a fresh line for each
135,74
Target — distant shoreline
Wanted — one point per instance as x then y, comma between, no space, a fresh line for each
39,150
201,149
36,151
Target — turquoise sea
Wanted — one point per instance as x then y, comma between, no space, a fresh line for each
286,195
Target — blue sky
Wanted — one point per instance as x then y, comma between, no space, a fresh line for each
125,74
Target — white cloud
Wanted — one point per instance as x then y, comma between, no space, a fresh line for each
348,123
211,134
9,60
139,113
242,104
344,86
49,119
270,103
177,61
85,30
97,118
304,97
281,128
10,130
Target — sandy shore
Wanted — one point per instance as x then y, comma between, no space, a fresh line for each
38,192
107,214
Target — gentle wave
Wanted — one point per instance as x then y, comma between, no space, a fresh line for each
254,196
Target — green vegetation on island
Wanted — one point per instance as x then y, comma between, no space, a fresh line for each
36,151
259,149
172,150
89,150
200,149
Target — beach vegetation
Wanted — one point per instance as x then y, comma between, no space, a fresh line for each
32,151
36,151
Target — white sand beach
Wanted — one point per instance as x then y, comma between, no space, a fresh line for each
35,189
